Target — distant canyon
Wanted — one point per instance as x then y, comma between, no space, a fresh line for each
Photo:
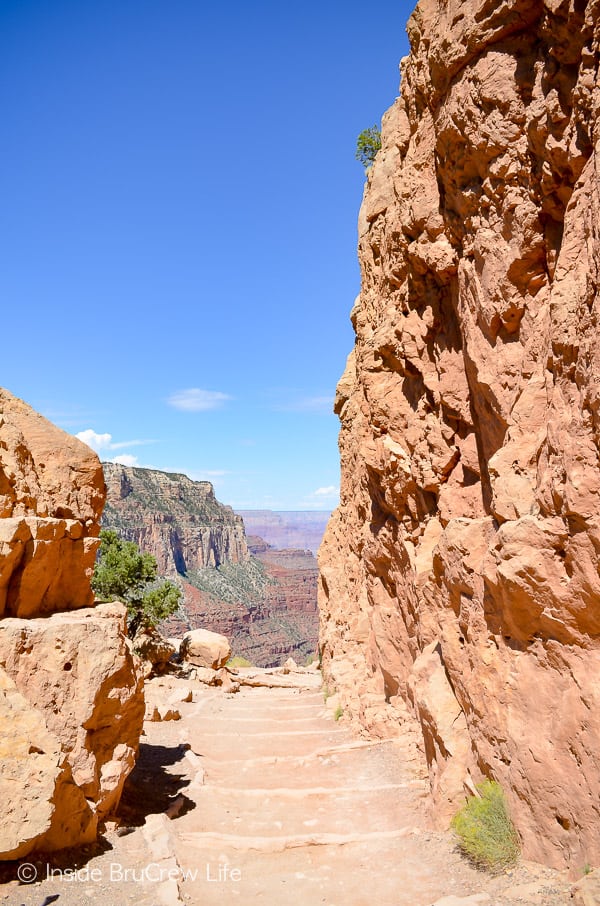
259,589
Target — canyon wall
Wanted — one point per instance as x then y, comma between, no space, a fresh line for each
264,601
71,696
459,576
179,521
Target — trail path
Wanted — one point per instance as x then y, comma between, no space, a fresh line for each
271,801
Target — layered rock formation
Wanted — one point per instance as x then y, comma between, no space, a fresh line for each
70,693
460,573
265,602
178,520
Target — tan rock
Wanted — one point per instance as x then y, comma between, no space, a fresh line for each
151,646
51,498
205,648
42,807
78,669
459,575
586,892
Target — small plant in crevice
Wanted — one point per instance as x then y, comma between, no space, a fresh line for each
484,830
368,144
338,712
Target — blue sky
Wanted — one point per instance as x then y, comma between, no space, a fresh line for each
178,226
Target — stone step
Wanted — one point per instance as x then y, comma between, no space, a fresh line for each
275,812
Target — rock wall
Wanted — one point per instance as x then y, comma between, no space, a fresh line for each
71,696
177,520
460,575
51,494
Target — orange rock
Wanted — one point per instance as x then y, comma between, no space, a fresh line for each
78,670
51,498
460,573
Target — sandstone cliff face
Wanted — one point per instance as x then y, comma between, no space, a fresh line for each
176,519
460,573
51,494
71,698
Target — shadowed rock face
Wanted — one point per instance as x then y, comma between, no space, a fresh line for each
459,575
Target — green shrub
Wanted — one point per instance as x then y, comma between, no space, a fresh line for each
368,144
338,712
238,661
486,834
123,573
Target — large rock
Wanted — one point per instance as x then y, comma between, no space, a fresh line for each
205,648
78,670
51,497
41,806
460,573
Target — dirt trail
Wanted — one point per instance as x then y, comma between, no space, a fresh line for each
262,797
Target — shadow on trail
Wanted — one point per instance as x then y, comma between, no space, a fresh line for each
153,785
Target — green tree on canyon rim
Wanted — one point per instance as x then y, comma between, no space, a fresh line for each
125,574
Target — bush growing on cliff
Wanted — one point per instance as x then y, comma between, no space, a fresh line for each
486,834
125,574
368,144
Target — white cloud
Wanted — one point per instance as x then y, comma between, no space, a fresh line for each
330,491
125,459
102,443
96,441
196,400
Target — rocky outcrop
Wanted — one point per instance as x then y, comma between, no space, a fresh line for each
71,699
41,803
51,497
177,520
460,573
79,671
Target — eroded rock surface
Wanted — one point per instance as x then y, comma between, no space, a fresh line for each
460,572
79,671
51,498
71,695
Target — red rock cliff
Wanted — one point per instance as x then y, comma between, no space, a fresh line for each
460,574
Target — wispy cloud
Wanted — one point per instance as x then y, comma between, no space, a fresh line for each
329,491
103,444
318,405
196,400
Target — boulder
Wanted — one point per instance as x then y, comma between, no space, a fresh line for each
78,669
151,646
41,805
205,648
